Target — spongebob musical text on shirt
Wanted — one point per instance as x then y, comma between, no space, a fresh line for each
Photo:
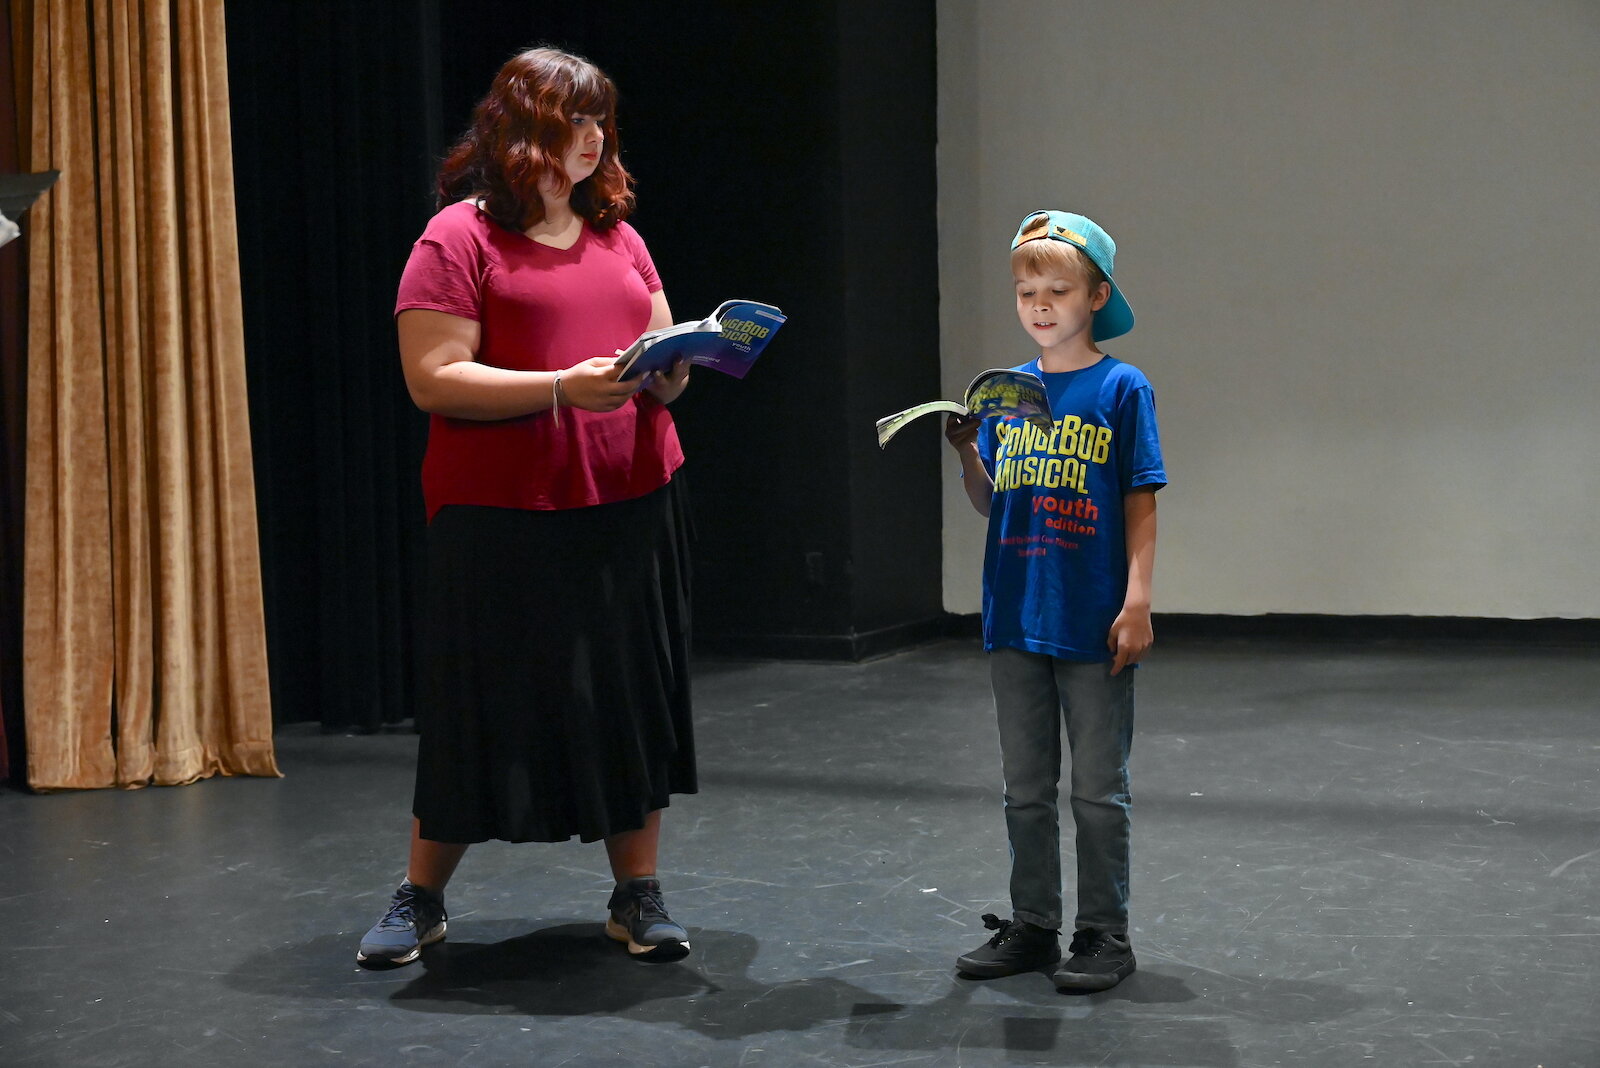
1056,459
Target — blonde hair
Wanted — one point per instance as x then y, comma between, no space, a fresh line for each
1048,256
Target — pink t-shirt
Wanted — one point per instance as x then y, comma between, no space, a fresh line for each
540,309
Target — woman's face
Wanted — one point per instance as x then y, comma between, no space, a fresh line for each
583,154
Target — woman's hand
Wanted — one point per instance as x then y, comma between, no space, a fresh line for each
593,385
666,387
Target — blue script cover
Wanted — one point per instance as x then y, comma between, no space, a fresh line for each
727,340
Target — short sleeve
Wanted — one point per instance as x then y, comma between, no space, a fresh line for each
442,275
641,257
1139,442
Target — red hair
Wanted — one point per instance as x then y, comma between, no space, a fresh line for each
521,131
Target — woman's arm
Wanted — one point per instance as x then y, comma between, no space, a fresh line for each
962,434
438,353
667,387
1131,632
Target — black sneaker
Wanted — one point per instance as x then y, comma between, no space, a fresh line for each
1017,946
1099,961
639,918
415,919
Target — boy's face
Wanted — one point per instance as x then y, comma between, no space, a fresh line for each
1057,311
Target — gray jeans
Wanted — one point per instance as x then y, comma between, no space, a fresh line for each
1033,695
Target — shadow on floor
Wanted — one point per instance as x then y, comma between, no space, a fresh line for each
1172,1015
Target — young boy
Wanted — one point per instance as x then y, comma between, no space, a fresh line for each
1066,601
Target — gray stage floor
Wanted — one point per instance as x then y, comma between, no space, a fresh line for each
1342,856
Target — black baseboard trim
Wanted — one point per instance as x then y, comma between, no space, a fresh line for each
857,646
1321,628
1176,626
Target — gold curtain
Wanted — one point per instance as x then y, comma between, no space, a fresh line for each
144,647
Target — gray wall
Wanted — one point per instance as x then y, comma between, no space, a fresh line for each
1363,242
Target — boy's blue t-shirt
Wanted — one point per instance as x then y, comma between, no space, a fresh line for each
1055,570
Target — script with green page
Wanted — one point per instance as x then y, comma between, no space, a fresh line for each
997,391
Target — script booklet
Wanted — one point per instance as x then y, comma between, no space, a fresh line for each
727,340
997,391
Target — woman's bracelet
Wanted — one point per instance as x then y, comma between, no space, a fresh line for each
555,397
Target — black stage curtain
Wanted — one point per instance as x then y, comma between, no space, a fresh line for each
747,155
13,432
332,169
341,112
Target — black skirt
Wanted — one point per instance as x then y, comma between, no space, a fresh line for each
555,670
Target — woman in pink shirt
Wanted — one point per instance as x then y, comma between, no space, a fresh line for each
555,658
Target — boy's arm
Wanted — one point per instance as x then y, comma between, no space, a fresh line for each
962,434
1131,633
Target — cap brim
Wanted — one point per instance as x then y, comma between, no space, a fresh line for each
1113,320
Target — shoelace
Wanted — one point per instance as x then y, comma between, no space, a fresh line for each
1001,928
402,911
651,905
1088,943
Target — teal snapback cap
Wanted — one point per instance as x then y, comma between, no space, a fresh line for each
1116,318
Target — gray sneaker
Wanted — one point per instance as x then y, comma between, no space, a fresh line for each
416,918
639,918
